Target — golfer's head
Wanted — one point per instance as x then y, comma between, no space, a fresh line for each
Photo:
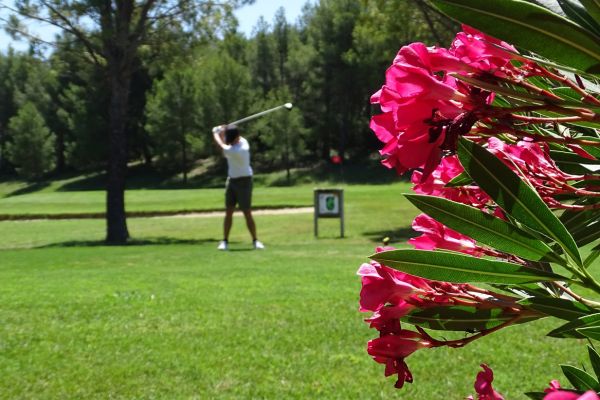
232,133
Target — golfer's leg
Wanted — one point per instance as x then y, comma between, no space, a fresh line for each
230,202
228,222
250,223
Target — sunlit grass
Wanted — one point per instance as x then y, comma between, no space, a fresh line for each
170,317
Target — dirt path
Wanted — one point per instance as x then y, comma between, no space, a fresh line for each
157,214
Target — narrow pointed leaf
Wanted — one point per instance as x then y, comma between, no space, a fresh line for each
559,308
460,318
588,233
514,196
593,8
592,332
574,220
595,151
569,329
580,379
483,227
531,27
592,257
594,360
576,12
459,268
460,180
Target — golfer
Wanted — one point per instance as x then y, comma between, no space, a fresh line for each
238,189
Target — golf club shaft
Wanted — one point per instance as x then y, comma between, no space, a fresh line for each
260,114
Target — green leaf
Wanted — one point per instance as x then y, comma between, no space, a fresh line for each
592,257
579,14
483,227
580,379
575,220
460,180
594,360
573,163
593,8
531,27
588,233
460,318
460,268
592,332
559,308
513,195
568,330
595,151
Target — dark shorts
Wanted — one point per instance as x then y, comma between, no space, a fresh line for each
239,191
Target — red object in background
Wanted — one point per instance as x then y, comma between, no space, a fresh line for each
336,159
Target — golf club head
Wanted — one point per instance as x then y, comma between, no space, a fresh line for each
288,106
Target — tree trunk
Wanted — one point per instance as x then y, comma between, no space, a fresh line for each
116,222
184,160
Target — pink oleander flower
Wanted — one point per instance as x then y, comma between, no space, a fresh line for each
413,101
387,319
435,184
425,109
483,385
566,395
433,59
382,285
554,386
438,236
532,161
419,108
391,350
480,50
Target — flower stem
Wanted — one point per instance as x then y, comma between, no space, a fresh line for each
565,81
541,138
577,297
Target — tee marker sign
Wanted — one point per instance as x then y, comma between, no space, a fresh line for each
329,203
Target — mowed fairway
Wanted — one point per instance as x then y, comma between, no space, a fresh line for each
169,317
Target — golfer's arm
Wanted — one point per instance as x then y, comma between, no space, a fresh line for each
218,136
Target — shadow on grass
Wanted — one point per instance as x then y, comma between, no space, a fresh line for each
147,177
156,241
30,188
396,235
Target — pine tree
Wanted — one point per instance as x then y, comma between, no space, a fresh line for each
32,144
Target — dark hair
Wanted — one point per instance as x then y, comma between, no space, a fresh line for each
231,133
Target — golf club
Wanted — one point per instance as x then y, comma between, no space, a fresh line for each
287,106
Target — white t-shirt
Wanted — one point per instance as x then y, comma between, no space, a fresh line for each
238,159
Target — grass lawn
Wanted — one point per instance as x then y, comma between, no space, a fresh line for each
169,317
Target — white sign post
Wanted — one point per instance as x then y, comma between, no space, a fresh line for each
329,203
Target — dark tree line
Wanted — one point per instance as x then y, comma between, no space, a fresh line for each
146,80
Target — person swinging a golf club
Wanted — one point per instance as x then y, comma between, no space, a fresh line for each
238,188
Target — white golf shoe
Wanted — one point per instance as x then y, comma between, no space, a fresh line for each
223,245
258,245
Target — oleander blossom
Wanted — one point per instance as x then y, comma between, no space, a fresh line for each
435,184
424,108
483,385
533,163
438,236
567,395
391,295
382,285
481,51
392,349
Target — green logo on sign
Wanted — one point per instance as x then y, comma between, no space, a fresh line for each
330,203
